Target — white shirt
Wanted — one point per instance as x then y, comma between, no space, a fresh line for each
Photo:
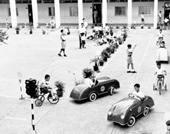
139,94
88,82
160,35
160,71
85,24
82,30
142,16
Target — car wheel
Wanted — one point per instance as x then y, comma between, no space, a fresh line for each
131,121
146,111
92,97
111,90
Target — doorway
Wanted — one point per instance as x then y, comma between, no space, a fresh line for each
30,15
97,14
167,10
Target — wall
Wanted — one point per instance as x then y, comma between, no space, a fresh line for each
87,12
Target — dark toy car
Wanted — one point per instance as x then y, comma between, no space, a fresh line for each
126,110
103,85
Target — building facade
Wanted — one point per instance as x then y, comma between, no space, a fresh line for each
72,11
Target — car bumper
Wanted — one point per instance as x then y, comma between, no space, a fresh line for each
116,119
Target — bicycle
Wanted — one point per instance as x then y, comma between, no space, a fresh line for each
41,97
159,84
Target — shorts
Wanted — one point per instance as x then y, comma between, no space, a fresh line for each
83,42
63,44
129,60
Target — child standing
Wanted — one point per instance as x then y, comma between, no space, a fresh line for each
129,52
83,40
63,42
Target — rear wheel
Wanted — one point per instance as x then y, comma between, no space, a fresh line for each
131,121
92,97
165,87
38,102
146,111
159,87
51,100
111,90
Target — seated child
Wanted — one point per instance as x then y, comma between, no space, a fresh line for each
45,86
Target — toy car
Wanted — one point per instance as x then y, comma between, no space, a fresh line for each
102,85
162,55
125,111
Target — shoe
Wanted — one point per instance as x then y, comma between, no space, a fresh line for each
65,55
128,71
59,55
133,72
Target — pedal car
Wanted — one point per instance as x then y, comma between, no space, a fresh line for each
162,55
125,111
103,85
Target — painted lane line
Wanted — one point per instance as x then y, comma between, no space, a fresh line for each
13,118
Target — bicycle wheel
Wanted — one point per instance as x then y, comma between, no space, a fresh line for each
38,102
51,100
159,87
41,97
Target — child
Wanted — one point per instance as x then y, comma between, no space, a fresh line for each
83,40
47,87
63,42
129,52
160,34
160,72
142,20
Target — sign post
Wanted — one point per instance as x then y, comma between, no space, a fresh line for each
20,82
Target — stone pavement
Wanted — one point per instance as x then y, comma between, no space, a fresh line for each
35,55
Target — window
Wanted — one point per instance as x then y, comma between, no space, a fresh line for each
73,11
9,11
120,11
145,9
51,11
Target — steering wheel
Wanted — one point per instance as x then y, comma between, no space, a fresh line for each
131,95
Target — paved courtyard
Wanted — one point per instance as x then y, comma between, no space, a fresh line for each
36,55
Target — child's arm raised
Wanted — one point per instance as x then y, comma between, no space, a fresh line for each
134,46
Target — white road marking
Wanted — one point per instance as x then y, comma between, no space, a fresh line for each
13,118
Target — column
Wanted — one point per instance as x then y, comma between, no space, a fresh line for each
129,12
104,12
57,13
80,12
35,13
155,14
13,13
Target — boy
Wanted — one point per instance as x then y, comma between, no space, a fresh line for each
160,71
137,93
129,52
63,42
160,34
47,87
83,40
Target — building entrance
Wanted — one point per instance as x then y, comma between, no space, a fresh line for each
167,10
30,15
97,14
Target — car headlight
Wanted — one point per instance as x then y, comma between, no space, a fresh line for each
109,113
122,116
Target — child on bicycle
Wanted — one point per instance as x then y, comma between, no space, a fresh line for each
160,72
46,86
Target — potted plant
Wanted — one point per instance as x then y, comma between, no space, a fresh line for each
60,88
101,62
17,30
87,72
95,67
104,57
